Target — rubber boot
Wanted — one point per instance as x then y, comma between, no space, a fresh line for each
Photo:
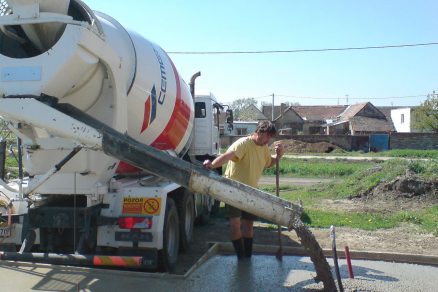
247,242
238,248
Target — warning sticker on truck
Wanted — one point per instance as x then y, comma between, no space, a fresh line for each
152,206
141,206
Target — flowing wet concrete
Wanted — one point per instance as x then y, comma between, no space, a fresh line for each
221,273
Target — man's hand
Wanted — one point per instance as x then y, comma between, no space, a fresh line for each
219,161
207,164
279,150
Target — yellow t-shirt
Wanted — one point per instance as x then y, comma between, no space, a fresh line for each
250,161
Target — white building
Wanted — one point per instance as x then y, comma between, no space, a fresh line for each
401,118
240,128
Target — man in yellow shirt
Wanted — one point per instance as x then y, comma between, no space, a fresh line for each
247,157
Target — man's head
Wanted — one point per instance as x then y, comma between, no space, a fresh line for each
264,132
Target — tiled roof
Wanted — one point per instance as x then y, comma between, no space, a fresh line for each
367,124
366,109
319,112
352,110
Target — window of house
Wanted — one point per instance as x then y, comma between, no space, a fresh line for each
242,131
200,111
402,118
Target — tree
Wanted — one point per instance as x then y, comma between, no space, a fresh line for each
426,115
239,104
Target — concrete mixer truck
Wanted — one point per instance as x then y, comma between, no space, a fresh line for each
105,122
64,52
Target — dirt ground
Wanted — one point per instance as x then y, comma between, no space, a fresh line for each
400,194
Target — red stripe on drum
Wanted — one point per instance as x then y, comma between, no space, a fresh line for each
178,122
147,114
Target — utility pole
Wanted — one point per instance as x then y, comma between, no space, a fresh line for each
272,115
346,96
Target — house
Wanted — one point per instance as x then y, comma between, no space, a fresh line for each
251,113
360,119
243,128
401,118
278,109
316,116
357,119
245,125
289,122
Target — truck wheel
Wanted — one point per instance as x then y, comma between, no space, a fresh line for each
206,214
216,206
186,208
169,253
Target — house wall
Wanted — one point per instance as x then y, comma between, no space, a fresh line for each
289,120
402,119
338,129
313,127
292,128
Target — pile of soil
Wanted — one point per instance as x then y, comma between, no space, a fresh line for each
296,146
406,188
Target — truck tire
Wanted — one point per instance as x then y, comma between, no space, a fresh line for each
205,216
169,253
186,211
216,206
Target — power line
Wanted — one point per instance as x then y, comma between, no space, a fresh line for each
354,98
263,96
301,50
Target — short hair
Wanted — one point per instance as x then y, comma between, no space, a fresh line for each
266,127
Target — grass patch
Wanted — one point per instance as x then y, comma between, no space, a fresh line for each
362,180
317,168
402,153
427,219
409,153
367,221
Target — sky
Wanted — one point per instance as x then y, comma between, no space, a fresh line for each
386,77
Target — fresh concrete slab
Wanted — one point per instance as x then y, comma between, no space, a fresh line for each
219,271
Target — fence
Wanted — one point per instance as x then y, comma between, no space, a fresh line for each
374,142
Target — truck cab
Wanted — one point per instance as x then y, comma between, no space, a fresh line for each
206,140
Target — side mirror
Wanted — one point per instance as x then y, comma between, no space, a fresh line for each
229,116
